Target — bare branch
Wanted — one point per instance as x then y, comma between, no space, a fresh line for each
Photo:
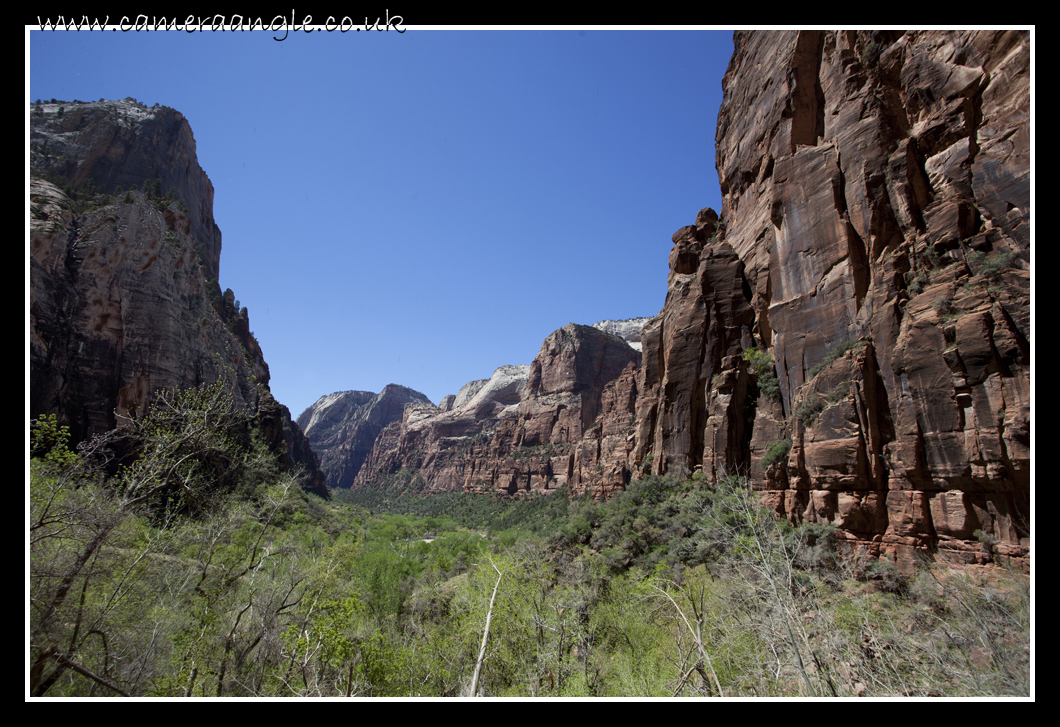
485,634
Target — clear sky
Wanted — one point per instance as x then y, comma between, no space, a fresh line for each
421,208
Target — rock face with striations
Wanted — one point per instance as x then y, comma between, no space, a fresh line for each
691,411
439,442
124,297
875,243
525,429
342,427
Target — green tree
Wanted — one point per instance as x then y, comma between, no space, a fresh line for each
87,543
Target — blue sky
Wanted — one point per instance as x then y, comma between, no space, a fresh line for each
421,208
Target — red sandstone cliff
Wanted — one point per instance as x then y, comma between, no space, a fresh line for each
876,241
565,419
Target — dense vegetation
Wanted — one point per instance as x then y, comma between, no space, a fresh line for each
198,569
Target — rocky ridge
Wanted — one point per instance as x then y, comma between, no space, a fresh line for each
124,298
522,430
342,427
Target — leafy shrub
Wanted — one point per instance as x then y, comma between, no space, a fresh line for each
50,441
644,524
993,265
985,537
809,408
916,282
777,453
578,530
763,365
928,255
818,548
887,576
945,308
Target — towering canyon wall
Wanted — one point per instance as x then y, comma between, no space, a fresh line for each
124,298
875,241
